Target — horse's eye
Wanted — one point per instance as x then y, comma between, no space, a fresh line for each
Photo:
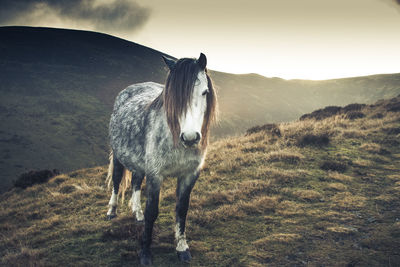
205,92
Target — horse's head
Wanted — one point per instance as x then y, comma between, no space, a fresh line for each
190,100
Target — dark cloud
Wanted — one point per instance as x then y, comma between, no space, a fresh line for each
120,15
393,2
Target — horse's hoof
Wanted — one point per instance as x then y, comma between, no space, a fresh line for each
184,256
110,217
145,258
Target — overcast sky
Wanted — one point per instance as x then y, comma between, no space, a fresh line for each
309,39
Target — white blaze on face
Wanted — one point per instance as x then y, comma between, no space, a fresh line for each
192,121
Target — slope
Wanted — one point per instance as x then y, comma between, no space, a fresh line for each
320,191
58,87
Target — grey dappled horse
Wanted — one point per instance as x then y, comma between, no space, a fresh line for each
162,131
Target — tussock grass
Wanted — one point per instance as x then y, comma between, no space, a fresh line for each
340,177
308,195
347,200
355,134
286,155
337,187
371,147
332,165
281,238
261,199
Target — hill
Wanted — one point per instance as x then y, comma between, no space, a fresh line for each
58,87
318,191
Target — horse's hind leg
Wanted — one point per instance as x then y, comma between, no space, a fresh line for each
117,172
185,186
137,178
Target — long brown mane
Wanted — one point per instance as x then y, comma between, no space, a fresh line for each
177,94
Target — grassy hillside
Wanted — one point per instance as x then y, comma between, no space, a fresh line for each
58,87
318,192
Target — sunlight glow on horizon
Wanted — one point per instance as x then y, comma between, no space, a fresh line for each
291,40
308,39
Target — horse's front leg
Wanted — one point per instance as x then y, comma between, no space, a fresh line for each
153,184
137,179
184,188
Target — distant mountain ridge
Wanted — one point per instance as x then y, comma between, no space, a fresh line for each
58,87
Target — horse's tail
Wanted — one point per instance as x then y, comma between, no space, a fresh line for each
125,181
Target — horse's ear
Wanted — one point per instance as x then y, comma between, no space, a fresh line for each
202,61
169,62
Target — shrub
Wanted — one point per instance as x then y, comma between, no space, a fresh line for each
321,114
34,177
313,140
377,116
394,130
352,115
66,189
333,166
269,128
394,107
353,107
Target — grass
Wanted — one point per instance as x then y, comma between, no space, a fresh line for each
57,96
261,200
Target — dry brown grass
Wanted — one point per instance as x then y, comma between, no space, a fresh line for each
363,163
308,195
371,147
337,187
353,133
339,177
259,205
385,199
341,230
289,208
279,237
260,200
217,198
220,214
279,175
285,155
394,177
24,256
347,200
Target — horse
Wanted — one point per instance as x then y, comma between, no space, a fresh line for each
158,131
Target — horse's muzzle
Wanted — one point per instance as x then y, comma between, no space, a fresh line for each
191,139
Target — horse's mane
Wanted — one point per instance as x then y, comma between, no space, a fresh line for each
176,97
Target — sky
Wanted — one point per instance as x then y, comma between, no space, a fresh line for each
291,39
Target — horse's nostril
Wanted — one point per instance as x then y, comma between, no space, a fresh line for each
190,139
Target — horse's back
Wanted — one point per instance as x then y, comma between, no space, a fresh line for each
128,122
137,95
